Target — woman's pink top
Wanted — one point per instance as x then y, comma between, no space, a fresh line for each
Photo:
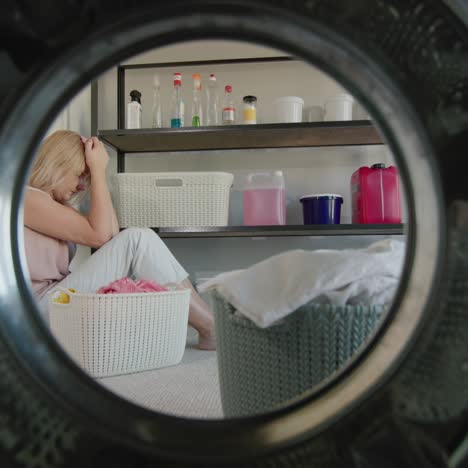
48,258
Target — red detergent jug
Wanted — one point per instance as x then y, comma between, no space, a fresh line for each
375,193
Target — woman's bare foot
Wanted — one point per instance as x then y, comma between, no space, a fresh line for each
207,342
201,318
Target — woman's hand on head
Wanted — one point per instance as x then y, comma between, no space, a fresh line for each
95,154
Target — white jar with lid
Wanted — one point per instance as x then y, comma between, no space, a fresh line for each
288,109
339,107
250,109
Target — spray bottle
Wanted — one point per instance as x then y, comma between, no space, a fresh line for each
134,110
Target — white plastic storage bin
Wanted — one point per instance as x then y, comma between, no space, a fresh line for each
172,199
112,334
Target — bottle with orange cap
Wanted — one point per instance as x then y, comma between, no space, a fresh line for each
197,112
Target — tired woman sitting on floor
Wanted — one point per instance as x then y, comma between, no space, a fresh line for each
66,165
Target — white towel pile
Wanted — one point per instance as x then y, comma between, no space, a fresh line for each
270,290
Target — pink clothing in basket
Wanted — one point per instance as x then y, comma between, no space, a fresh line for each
48,258
127,285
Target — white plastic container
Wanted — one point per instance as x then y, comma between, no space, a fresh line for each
112,334
264,199
315,114
172,199
339,107
288,109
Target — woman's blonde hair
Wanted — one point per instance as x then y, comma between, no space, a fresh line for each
59,153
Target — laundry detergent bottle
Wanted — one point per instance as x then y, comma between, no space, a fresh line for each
264,199
375,194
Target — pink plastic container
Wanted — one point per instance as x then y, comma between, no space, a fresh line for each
375,193
264,199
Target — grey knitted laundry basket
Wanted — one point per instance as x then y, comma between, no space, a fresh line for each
262,368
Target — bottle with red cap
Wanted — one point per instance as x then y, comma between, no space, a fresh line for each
229,110
212,101
177,108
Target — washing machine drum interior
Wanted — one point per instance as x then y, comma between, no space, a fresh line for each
404,401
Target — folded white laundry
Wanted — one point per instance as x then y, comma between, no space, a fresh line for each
270,290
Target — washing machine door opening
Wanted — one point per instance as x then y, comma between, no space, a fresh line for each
381,377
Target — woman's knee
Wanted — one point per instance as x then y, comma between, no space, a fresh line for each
138,235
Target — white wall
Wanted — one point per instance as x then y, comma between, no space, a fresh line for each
307,170
76,116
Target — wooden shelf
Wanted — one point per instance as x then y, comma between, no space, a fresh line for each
282,231
295,135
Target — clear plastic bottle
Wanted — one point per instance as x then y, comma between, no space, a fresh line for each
212,101
134,110
177,111
197,112
157,117
229,110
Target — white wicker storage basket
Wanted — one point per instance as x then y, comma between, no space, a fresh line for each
172,199
111,334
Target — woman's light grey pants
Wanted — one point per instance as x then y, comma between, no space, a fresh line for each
137,253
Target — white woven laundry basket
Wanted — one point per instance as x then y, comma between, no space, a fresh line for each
172,199
111,334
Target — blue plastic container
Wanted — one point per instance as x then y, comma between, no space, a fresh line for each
321,208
